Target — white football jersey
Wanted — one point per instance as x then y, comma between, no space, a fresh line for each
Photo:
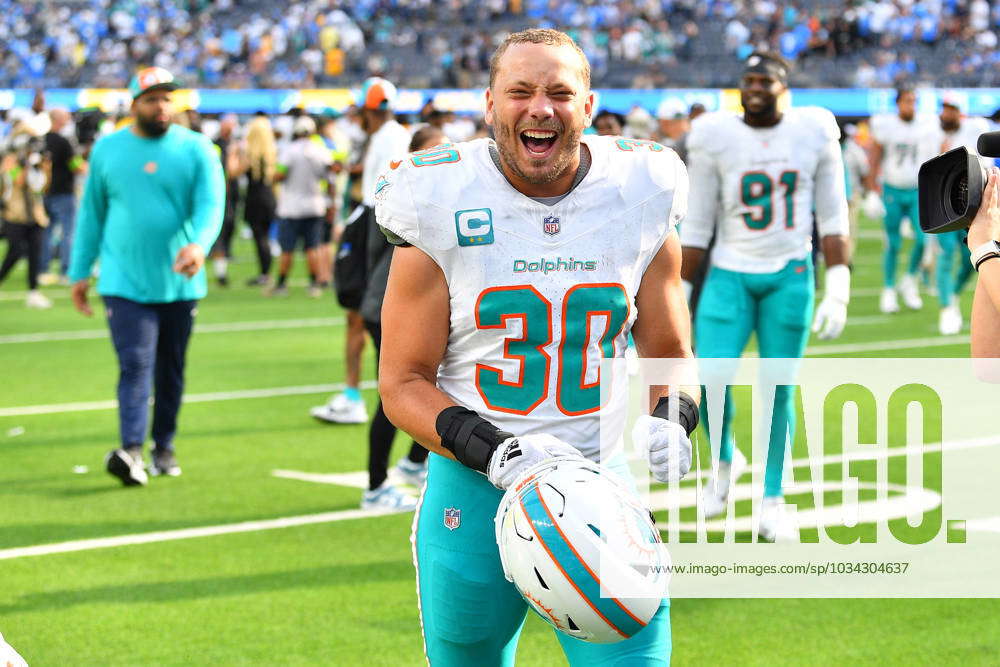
539,294
757,188
967,135
905,146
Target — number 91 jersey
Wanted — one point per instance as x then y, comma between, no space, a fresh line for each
538,293
762,185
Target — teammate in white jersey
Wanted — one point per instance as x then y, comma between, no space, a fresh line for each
521,264
758,178
902,141
956,130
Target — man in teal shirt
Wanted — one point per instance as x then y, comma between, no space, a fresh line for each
153,204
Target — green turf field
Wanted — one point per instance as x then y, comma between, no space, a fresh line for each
336,592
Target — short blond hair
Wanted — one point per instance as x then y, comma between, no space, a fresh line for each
539,36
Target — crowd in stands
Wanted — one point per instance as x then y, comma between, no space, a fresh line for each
430,43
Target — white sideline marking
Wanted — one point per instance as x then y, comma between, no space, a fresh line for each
189,398
882,345
186,533
812,350
989,525
355,480
223,327
868,320
344,515
20,296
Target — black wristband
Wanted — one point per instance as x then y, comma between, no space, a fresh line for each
469,437
982,260
679,404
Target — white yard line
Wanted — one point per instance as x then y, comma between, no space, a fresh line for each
223,327
185,533
868,320
812,350
268,392
350,479
20,296
884,345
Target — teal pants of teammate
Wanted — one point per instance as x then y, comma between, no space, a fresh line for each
899,204
470,614
778,307
949,282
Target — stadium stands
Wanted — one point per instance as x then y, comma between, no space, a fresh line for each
631,43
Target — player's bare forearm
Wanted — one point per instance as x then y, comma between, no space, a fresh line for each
691,259
836,249
985,339
663,327
871,181
415,322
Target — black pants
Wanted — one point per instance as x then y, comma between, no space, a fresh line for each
259,213
261,230
23,240
151,341
381,432
224,242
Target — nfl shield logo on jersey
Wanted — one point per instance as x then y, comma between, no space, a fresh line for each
452,518
550,225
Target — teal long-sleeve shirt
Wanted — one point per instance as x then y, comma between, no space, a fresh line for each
144,200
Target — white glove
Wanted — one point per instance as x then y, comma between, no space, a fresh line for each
9,657
831,314
688,288
872,206
515,456
665,446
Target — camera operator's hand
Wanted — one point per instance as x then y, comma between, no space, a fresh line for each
986,225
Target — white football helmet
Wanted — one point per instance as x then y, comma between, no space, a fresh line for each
582,550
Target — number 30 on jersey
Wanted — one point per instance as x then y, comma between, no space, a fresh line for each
584,307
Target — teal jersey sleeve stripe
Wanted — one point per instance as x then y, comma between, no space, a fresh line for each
577,573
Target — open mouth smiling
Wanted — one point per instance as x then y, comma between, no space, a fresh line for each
539,143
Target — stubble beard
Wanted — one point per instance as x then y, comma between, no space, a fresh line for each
559,166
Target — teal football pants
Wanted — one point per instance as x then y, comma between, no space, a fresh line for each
778,307
945,278
950,283
470,614
900,203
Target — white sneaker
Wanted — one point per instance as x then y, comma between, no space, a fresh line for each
413,474
775,524
38,300
388,498
341,410
888,303
950,320
715,494
910,292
